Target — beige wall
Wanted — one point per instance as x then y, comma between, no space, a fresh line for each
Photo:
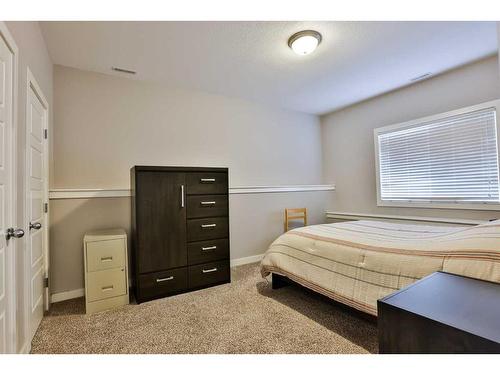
498,41
33,54
347,135
104,125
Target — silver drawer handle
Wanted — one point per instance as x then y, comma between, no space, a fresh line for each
210,270
208,203
208,225
208,248
165,279
207,180
106,259
107,288
182,196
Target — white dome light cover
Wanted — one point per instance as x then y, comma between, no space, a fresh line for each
304,42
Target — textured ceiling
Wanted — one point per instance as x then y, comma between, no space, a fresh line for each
251,60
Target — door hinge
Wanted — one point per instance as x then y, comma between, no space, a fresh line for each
45,133
46,282
46,207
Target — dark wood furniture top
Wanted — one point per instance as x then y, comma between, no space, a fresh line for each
441,313
160,168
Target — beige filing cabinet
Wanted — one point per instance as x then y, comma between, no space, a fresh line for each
106,269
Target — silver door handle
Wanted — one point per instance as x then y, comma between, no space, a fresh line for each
35,226
208,248
207,180
208,203
182,196
165,279
210,270
208,225
16,233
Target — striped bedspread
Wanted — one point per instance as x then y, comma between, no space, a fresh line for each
358,262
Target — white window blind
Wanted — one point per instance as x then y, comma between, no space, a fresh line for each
451,159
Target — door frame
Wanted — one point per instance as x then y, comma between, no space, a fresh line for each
32,84
10,262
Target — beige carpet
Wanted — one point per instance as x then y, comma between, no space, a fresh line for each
246,316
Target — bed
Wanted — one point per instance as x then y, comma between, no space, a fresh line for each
358,262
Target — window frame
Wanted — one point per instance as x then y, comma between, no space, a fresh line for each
413,123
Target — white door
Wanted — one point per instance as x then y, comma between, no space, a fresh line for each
7,328
36,121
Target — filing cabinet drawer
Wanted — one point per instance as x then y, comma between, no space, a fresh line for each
206,206
159,284
103,255
209,274
207,251
106,284
206,229
207,183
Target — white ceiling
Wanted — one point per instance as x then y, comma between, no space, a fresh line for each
251,60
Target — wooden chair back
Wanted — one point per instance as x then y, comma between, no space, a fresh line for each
294,214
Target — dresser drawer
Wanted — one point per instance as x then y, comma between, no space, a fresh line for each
103,255
207,251
106,284
209,274
163,283
207,229
206,183
206,206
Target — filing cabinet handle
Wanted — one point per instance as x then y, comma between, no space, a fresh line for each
106,259
208,225
182,196
165,279
106,288
207,180
210,270
208,248
208,203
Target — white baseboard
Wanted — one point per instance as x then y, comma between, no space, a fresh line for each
246,260
70,294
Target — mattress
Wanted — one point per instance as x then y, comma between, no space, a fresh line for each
359,262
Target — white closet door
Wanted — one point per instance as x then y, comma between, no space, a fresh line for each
7,329
36,120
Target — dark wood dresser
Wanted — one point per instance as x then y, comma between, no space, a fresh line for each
180,229
441,313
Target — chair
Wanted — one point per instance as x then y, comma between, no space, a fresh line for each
294,214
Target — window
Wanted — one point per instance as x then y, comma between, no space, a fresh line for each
444,161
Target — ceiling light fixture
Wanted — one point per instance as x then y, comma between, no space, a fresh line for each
304,42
